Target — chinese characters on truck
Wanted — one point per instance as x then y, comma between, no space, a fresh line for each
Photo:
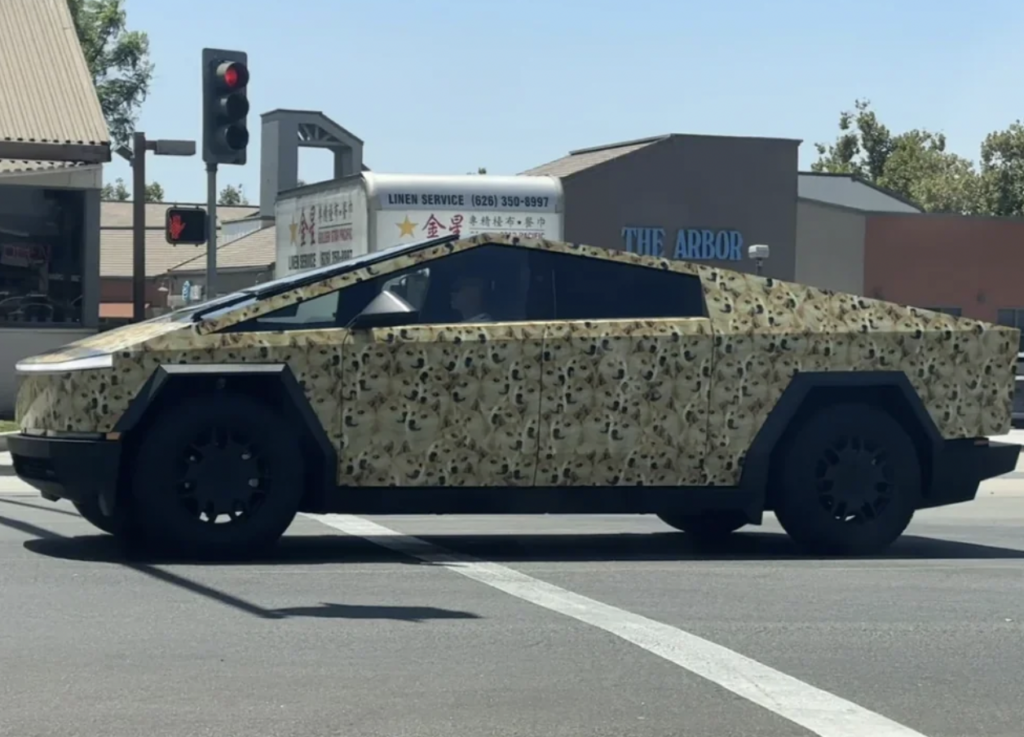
435,226
323,224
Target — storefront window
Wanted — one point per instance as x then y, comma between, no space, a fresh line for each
41,249
954,311
1012,318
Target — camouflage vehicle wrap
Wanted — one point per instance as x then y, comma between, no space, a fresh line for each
624,403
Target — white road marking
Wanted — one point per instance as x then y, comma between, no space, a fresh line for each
821,712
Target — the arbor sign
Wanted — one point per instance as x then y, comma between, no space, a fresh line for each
692,244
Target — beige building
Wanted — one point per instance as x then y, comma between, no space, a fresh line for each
234,223
53,144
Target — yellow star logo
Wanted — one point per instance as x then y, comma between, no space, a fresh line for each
407,227
293,226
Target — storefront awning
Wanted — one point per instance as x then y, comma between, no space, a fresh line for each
118,310
50,112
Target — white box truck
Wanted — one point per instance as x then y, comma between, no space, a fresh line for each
325,223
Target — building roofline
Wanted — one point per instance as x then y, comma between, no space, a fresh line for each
280,111
861,180
566,169
620,144
666,136
841,208
176,269
170,203
75,152
1015,220
50,115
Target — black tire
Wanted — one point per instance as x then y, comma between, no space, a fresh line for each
709,526
850,481
216,457
119,525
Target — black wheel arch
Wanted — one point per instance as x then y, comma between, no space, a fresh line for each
809,391
274,384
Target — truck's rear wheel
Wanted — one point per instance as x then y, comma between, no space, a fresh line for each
218,476
849,482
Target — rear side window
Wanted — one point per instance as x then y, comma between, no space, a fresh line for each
584,288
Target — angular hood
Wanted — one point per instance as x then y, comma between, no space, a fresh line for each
124,338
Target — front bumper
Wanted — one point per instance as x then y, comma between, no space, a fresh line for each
77,470
963,465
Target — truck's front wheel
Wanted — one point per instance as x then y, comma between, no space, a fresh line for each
218,476
120,524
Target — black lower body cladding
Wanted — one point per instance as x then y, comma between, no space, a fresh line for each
963,464
73,469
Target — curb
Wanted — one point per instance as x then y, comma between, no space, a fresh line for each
3,440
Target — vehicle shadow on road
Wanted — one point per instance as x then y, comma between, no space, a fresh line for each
307,549
47,542
584,547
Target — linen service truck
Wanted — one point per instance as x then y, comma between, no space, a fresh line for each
329,222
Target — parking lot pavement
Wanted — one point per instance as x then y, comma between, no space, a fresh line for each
556,625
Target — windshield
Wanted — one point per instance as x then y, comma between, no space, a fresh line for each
183,314
293,281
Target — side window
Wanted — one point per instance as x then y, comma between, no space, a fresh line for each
314,314
485,284
594,289
410,286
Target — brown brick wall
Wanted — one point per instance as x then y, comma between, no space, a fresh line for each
120,290
976,264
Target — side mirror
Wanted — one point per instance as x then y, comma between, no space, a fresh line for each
386,310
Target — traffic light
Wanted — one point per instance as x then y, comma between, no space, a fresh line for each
225,106
185,225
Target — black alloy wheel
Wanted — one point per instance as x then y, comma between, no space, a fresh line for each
219,475
850,481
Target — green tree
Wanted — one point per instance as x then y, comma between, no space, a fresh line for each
118,60
914,164
232,196
115,190
1002,171
154,192
479,170
118,191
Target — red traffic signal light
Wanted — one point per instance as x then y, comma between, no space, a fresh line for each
225,106
233,75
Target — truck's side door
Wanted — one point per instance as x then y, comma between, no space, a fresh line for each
625,388
444,401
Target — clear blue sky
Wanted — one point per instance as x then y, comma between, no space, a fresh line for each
445,86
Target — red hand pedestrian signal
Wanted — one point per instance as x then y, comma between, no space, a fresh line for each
175,227
185,225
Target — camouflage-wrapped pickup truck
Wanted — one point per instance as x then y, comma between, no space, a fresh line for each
494,375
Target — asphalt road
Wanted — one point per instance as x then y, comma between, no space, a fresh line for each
554,626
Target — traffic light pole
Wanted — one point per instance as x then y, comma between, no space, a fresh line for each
211,235
136,158
139,226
